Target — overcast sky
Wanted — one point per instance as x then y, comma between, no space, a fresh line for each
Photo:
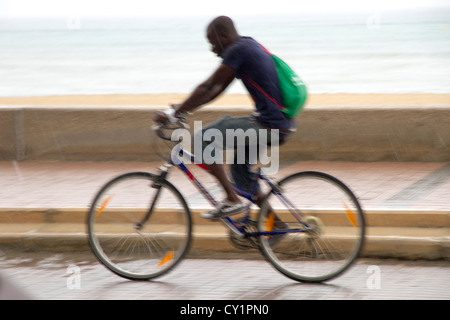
34,8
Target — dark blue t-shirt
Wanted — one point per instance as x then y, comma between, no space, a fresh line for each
249,60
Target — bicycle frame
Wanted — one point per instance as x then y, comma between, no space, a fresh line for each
177,159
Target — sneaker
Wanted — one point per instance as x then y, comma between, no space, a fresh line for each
226,208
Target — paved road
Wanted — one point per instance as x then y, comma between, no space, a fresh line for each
49,276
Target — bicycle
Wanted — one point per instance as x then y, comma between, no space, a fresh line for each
310,225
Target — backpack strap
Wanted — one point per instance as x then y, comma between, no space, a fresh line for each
264,48
263,92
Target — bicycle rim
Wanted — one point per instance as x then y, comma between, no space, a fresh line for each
133,252
329,221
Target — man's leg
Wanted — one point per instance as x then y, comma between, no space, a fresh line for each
218,171
232,204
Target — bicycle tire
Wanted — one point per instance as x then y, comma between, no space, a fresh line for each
113,232
336,231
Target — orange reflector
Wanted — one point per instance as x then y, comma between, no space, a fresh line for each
166,258
350,215
270,222
104,204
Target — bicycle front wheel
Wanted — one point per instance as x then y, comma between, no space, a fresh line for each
139,226
316,227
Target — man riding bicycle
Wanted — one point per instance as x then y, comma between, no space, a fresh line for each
245,59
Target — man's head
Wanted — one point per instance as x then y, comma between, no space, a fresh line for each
221,33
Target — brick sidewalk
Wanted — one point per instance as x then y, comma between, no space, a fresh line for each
380,185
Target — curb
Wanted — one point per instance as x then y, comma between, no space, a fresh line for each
374,217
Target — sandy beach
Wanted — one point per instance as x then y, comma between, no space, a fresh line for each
345,99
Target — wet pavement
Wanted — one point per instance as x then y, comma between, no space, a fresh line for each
49,276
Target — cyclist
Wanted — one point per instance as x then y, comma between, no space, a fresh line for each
243,58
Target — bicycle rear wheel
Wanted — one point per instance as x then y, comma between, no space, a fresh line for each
139,226
324,239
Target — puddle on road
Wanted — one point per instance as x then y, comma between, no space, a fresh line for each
44,260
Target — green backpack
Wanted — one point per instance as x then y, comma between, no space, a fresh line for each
293,89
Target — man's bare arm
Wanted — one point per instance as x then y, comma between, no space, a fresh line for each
209,89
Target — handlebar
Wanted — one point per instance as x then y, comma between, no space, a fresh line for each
164,129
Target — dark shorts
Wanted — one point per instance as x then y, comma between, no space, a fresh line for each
247,137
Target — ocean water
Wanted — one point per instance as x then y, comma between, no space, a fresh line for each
366,52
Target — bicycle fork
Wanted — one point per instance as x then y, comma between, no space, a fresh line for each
164,170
